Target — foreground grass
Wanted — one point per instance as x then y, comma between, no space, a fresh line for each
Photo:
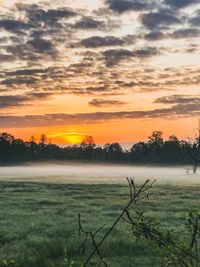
39,221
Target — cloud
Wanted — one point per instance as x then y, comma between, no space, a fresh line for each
35,49
146,52
41,46
114,56
96,41
127,5
99,102
185,33
154,36
19,81
176,111
6,58
178,99
14,26
9,101
180,3
37,14
86,23
37,53
26,72
161,18
195,19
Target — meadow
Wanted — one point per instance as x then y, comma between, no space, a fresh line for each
39,221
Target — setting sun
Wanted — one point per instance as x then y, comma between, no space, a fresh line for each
73,138
70,138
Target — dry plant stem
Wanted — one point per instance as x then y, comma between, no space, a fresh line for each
134,197
92,236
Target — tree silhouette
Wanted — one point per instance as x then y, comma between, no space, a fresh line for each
88,141
43,139
194,149
155,150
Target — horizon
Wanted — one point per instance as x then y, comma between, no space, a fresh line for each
74,142
112,69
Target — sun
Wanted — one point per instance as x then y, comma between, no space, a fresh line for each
70,138
74,138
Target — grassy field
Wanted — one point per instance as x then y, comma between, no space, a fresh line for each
39,221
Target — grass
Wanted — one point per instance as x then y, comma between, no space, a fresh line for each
39,221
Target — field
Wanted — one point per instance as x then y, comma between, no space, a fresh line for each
40,220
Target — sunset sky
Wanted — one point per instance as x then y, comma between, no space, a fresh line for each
113,69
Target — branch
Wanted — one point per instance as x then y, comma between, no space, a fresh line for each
135,195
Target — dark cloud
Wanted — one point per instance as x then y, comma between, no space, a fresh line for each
35,18
36,13
114,56
6,58
96,41
99,102
91,90
19,81
9,101
56,14
14,26
161,18
185,33
195,19
26,72
154,36
89,23
180,3
41,46
35,49
128,5
38,95
178,99
32,51
147,52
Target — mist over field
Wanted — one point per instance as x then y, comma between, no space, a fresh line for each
97,173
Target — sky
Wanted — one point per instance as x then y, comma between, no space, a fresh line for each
113,69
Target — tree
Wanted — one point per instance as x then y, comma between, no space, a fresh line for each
114,151
172,150
43,139
194,149
156,138
87,147
32,139
88,141
139,152
155,144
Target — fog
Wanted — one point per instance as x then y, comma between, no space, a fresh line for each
96,173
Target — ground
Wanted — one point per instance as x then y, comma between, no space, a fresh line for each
39,221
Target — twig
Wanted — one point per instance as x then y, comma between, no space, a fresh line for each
147,185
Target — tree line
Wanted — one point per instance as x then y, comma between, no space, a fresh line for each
154,150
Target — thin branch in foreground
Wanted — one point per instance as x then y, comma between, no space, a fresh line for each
135,195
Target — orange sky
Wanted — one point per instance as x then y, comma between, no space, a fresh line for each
124,131
101,68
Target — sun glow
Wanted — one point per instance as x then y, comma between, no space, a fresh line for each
71,138
74,138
